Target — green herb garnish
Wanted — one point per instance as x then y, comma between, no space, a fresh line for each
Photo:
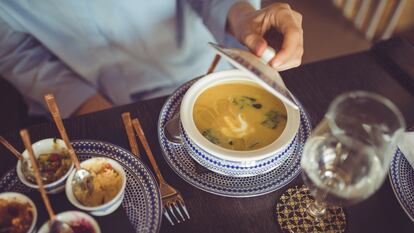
208,134
272,119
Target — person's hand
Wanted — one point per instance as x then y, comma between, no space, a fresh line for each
249,26
93,104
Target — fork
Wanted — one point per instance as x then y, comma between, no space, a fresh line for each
171,197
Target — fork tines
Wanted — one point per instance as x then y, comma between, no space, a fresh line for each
177,203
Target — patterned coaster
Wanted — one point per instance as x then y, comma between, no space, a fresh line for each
292,215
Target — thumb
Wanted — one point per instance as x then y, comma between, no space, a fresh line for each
256,43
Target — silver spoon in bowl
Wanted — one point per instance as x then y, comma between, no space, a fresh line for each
56,226
172,130
83,179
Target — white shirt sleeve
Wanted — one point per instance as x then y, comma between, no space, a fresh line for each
35,71
214,14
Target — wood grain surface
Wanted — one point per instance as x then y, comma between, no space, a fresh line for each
315,85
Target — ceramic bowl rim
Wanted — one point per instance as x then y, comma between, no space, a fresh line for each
22,197
35,146
71,197
187,121
71,213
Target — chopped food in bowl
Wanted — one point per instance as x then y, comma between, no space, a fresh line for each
106,195
78,221
17,213
107,184
54,164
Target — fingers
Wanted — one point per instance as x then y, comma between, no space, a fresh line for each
289,23
255,42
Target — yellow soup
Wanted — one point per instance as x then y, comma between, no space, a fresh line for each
239,116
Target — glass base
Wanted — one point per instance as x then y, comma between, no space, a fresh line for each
292,214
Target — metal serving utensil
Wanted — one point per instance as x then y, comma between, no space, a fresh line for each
83,179
172,130
56,226
171,197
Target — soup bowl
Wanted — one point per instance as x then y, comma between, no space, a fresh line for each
267,157
48,145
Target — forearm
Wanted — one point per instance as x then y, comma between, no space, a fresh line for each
237,10
95,103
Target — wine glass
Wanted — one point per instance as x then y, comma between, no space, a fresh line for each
344,161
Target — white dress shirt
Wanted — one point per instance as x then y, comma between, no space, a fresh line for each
123,48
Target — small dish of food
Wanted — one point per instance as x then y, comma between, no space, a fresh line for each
18,214
54,163
78,221
108,187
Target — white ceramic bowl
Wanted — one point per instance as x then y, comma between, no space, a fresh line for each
106,208
22,199
41,147
72,217
188,124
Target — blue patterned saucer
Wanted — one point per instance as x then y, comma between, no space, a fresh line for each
402,182
142,201
192,172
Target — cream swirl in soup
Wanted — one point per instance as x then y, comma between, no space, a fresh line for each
239,116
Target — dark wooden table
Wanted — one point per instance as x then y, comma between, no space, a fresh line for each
386,69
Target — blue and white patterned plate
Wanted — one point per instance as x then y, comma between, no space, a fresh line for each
142,200
402,182
188,169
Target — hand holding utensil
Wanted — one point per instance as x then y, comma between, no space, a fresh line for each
56,225
82,179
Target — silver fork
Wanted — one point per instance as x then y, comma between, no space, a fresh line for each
172,200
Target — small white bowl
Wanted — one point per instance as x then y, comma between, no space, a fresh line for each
188,124
71,217
12,196
106,208
41,147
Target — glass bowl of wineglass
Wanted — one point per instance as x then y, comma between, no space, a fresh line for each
345,161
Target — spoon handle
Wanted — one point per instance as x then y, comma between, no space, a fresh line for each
54,110
141,135
213,64
126,118
11,148
27,143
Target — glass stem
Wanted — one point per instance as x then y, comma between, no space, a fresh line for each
317,209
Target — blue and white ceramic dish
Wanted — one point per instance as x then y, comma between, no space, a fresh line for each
142,201
236,168
402,182
108,207
48,145
192,172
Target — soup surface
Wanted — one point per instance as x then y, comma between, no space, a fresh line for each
239,116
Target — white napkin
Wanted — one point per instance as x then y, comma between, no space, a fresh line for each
407,147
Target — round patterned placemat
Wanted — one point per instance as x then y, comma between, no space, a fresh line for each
292,216
142,201
402,182
198,176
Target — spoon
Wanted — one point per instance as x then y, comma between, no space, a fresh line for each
25,163
172,130
83,179
56,226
